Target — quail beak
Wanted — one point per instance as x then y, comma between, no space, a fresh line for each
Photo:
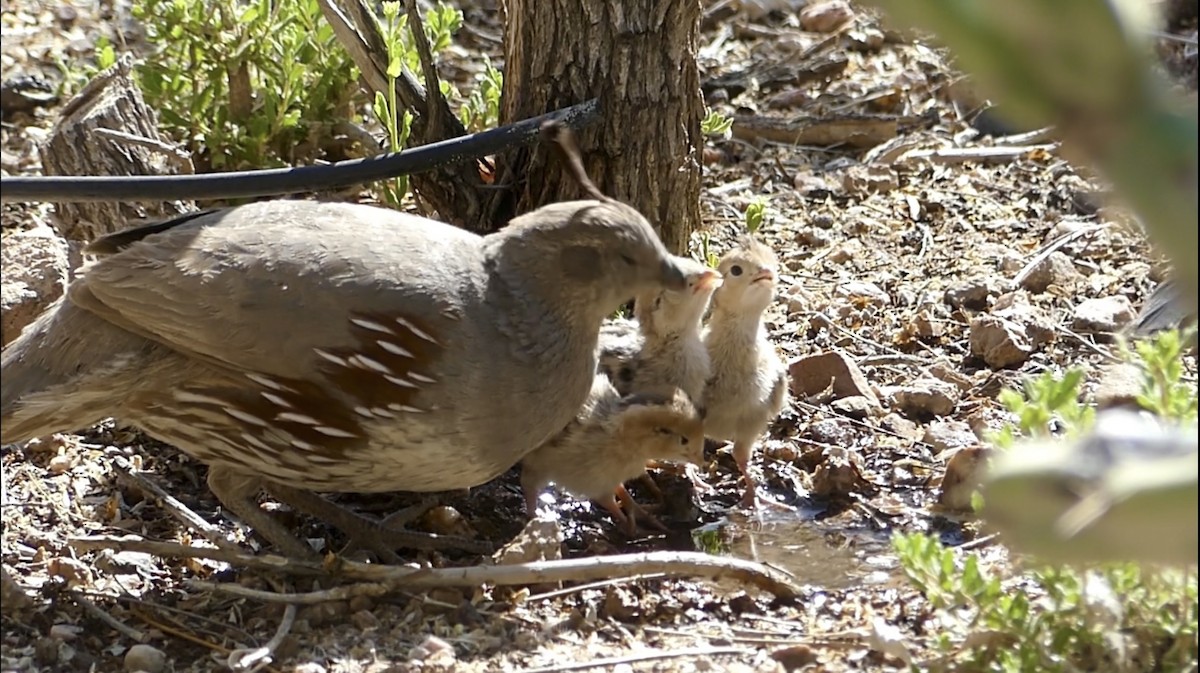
672,277
765,274
710,279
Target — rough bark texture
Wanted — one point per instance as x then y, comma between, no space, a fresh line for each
639,58
77,146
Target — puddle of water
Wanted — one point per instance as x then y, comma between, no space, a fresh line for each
815,554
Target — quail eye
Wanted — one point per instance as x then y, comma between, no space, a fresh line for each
735,270
629,260
683,441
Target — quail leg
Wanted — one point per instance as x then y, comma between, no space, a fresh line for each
368,532
237,492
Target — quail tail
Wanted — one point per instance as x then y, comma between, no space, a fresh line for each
59,374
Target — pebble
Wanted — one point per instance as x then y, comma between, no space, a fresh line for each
145,658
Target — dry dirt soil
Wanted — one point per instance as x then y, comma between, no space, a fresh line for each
886,263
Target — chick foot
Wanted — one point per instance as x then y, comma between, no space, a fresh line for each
636,512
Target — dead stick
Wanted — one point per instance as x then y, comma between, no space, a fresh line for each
588,569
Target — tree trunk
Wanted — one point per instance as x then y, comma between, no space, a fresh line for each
639,58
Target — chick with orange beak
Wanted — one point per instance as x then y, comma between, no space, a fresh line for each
668,350
748,387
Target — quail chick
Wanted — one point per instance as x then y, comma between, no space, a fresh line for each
748,387
303,346
668,350
609,442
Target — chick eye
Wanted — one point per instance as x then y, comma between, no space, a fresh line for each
683,441
735,270
629,260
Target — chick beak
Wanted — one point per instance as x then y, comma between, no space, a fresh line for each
672,277
765,274
708,280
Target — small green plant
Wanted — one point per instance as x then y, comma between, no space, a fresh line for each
707,255
1114,617
397,122
716,124
440,24
755,215
245,84
1046,399
481,110
1164,390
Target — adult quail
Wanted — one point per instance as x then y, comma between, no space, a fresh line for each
335,347
748,387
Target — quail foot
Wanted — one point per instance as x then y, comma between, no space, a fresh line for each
748,387
609,443
335,347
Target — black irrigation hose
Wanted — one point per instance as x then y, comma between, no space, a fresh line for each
277,181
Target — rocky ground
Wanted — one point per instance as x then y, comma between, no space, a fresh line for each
929,261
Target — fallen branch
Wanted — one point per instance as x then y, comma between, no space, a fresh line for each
279,181
959,155
388,578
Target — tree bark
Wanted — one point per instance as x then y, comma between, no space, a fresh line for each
639,58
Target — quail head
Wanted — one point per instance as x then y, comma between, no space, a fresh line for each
335,347
748,387
669,350
609,443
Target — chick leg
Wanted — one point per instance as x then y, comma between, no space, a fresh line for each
742,450
648,481
635,510
237,492
610,504
368,532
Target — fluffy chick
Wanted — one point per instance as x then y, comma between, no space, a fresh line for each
667,350
609,443
748,387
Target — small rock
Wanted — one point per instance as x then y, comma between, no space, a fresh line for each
65,632
923,398
59,464
812,374
964,474
826,17
857,406
945,435
839,474
861,293
433,652
620,605
365,620
540,540
976,294
143,657
788,99
835,431
864,180
1057,269
795,657
1120,385
445,520
1103,315
1015,306
33,275
999,342
901,427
